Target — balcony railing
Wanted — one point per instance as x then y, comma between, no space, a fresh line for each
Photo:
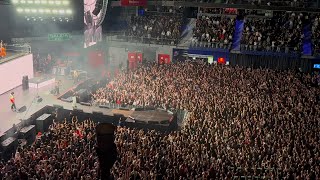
145,40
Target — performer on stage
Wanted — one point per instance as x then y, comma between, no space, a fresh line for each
75,77
3,52
57,87
12,100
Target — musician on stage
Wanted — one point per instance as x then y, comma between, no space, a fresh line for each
75,77
12,100
57,87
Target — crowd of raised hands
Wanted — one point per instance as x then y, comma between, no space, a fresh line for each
242,122
66,151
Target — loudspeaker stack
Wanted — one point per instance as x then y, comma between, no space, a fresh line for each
25,83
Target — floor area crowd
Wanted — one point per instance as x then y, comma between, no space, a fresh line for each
243,122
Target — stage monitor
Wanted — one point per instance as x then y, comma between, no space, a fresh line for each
92,31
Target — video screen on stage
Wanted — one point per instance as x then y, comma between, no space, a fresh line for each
92,30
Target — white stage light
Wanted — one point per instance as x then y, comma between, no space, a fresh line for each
27,10
58,2
44,2
54,11
28,19
23,1
69,11
30,2
48,11
37,1
51,2
41,10
61,11
15,1
33,10
20,10
65,2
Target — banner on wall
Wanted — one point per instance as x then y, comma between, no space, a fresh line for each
96,58
164,59
132,58
133,2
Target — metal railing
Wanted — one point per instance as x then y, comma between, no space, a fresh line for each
214,45
181,114
275,49
144,40
19,48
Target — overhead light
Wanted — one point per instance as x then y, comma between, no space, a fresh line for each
69,11
41,10
19,10
58,2
28,19
33,10
30,2
37,1
23,1
15,1
61,11
65,2
51,2
54,11
48,11
27,10
44,2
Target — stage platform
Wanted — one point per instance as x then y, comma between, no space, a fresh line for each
11,55
27,101
39,82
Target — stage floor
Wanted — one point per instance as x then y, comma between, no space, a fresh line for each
27,99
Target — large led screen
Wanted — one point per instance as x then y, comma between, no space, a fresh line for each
12,72
92,32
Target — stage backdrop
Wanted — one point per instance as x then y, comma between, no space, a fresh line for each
164,59
11,72
96,58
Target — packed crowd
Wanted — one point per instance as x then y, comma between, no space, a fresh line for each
242,122
282,32
159,28
66,151
214,30
316,34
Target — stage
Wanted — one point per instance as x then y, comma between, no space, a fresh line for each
27,101
39,82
